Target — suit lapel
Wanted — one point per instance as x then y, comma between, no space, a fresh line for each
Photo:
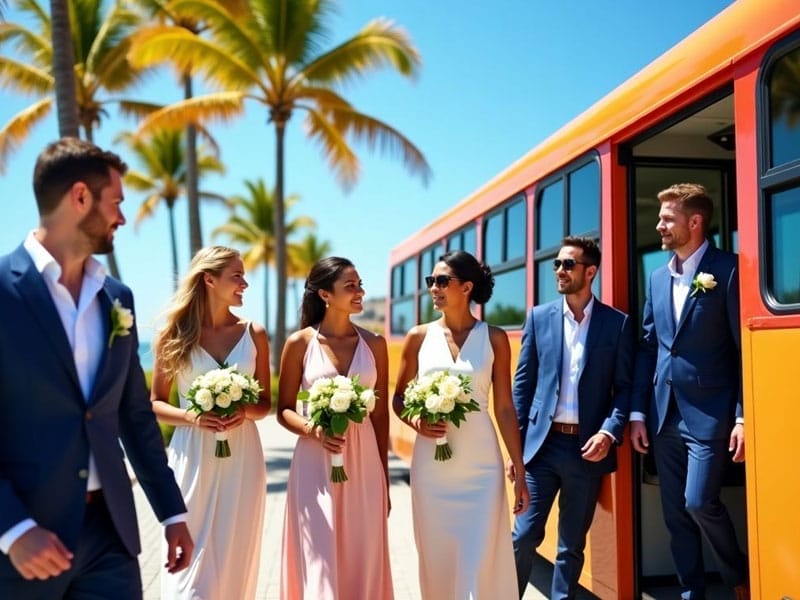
556,328
33,290
691,300
104,298
662,302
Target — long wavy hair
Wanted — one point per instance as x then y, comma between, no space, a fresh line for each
175,342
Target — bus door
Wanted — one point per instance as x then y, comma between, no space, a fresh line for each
687,149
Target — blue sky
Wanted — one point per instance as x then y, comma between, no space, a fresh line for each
494,83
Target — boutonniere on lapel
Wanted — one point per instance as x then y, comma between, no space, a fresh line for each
702,283
121,321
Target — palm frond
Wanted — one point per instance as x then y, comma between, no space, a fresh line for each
138,110
222,106
381,43
24,40
16,131
341,158
147,208
24,78
138,181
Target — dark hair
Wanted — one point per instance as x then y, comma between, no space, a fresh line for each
692,198
591,251
467,268
322,276
66,162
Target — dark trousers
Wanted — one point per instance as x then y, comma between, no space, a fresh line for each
557,466
690,473
101,569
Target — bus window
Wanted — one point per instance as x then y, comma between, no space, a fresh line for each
504,251
403,288
466,239
781,183
427,261
567,205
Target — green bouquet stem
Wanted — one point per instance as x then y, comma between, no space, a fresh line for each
337,470
223,448
443,450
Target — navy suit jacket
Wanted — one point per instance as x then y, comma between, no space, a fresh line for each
603,387
49,428
698,358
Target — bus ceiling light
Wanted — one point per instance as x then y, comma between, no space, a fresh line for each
724,138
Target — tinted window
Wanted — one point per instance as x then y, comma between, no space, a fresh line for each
493,240
402,315
515,240
507,305
545,282
466,240
584,199
784,250
785,109
550,216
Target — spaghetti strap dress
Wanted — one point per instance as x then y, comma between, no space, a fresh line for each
460,509
225,497
335,542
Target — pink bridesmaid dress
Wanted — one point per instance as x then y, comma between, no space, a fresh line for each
335,544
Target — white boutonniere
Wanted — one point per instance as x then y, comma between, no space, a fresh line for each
702,283
121,321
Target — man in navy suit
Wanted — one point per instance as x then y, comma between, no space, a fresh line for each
687,388
72,388
571,393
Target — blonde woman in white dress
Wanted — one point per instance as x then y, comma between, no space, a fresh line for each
225,497
460,508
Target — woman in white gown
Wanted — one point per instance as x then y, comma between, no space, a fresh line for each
224,496
461,519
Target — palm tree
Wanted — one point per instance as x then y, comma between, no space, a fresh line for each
164,176
302,256
99,47
64,69
164,12
253,226
274,57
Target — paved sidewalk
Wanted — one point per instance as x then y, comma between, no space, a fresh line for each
278,448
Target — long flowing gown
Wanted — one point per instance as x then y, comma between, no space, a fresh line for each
225,497
335,542
461,517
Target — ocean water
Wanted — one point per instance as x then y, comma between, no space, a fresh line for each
146,356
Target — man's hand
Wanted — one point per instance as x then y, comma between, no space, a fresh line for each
639,437
39,554
179,547
736,445
596,447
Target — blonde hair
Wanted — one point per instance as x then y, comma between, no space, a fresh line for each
176,341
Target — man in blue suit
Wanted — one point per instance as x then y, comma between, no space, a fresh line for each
72,388
687,388
571,393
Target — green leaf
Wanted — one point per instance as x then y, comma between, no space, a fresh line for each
339,424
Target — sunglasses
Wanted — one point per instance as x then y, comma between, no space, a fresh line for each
567,263
441,281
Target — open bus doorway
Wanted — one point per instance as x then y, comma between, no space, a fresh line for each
698,148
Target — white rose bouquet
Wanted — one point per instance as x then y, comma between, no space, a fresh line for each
333,403
439,396
222,391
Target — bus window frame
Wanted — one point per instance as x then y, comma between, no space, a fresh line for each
771,180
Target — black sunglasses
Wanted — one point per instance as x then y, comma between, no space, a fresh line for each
441,281
567,263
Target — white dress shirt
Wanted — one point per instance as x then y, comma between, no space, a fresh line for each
573,355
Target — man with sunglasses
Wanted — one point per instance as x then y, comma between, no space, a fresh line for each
687,395
571,393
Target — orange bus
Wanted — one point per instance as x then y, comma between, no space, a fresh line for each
721,108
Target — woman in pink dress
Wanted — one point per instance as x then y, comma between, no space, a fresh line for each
335,542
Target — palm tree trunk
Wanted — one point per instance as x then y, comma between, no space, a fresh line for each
280,245
174,244
111,257
64,69
266,300
192,183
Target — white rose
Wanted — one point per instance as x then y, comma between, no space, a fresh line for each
340,401
463,397
368,398
706,280
433,403
425,382
318,387
237,379
235,392
447,405
223,400
342,382
204,398
450,387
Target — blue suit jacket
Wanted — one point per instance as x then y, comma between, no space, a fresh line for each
698,358
49,428
603,387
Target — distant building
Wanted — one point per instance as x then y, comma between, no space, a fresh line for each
373,316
